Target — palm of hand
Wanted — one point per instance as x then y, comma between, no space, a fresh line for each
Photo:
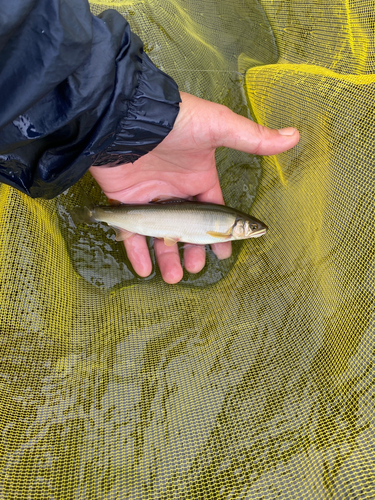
183,166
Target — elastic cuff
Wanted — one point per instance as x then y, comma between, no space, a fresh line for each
149,118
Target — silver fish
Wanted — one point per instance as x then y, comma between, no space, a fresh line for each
174,221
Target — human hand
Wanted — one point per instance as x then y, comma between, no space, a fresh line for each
183,166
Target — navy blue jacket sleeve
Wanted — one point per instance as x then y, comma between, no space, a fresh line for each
75,90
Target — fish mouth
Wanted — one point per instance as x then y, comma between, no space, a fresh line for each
261,232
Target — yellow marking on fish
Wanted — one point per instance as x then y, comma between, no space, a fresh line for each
215,234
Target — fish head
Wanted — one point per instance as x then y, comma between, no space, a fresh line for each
248,228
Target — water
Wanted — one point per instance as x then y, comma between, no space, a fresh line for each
103,262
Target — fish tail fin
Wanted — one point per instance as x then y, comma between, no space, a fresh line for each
82,215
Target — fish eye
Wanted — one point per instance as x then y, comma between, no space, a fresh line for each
253,227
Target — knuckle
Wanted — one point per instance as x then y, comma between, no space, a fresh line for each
261,135
220,124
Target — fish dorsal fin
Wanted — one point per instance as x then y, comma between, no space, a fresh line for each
165,201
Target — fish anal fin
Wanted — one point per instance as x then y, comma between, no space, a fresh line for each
215,234
169,241
121,234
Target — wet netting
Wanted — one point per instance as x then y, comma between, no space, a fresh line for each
255,378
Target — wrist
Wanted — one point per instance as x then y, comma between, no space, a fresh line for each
149,117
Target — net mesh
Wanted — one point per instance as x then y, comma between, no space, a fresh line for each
255,378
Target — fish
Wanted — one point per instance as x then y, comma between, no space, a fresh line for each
175,221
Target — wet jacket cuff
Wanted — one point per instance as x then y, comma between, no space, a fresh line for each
147,118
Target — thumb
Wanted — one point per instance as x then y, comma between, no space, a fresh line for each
238,132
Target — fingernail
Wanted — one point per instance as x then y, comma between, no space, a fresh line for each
287,131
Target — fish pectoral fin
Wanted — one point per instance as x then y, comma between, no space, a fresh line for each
215,234
169,241
122,234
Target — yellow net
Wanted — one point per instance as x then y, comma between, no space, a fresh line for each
255,378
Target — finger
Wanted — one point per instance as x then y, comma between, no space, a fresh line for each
215,195
138,254
222,250
212,195
194,258
238,132
168,260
